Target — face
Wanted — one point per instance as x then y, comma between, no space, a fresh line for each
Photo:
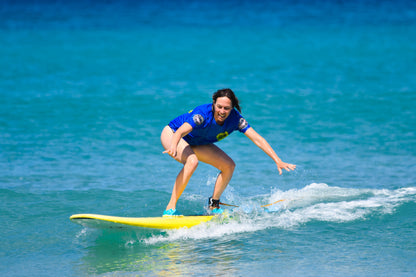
222,109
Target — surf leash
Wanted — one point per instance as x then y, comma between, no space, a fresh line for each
263,206
229,205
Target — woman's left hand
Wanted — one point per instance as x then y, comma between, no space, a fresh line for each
282,165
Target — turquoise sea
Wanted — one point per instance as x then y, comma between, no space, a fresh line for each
86,87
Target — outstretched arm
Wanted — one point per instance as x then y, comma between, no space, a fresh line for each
265,146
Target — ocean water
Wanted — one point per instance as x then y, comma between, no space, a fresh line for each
86,88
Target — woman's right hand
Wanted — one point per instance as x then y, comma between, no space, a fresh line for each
171,151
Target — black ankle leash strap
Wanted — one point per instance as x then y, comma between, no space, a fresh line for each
213,203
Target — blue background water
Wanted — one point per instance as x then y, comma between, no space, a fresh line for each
86,88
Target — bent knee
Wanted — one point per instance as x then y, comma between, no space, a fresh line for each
228,167
192,161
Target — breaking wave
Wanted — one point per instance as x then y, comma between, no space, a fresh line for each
315,202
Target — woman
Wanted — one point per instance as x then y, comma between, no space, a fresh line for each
189,139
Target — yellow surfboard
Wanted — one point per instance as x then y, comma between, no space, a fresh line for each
174,222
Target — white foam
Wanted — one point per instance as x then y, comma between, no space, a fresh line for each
203,231
315,202
324,203
81,233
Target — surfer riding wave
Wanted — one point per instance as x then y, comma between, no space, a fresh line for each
190,138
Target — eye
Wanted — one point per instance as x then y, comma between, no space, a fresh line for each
227,108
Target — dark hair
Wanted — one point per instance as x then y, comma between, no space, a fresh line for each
226,92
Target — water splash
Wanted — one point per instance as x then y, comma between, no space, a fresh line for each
315,202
